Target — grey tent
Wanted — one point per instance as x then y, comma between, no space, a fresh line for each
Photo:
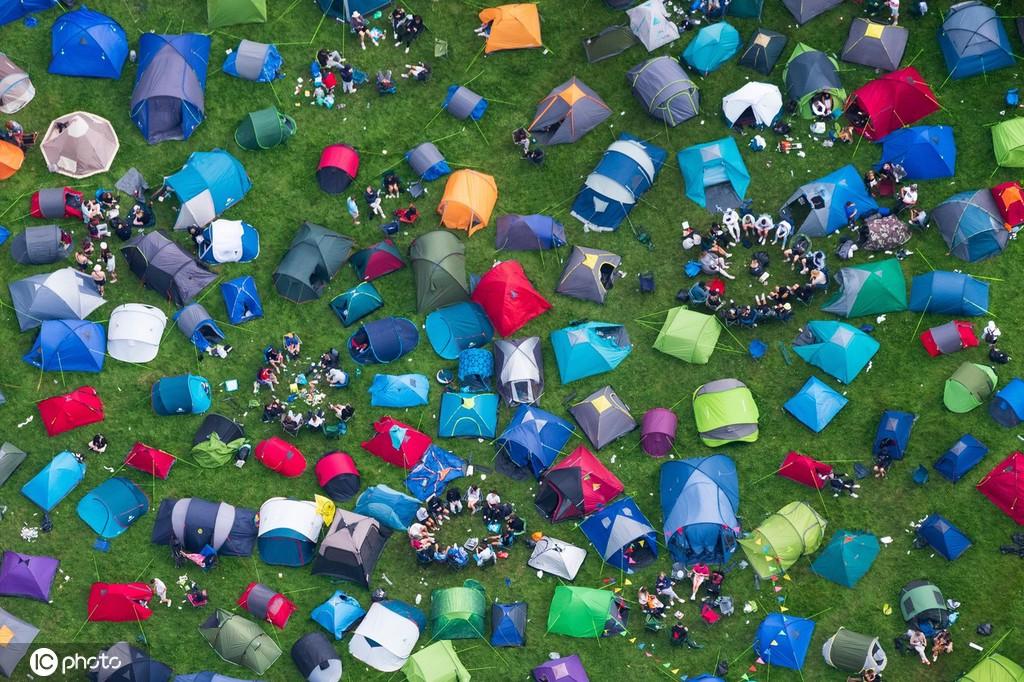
164,267
54,202
557,557
519,370
568,113
16,88
79,144
65,294
663,88
313,259
763,51
250,58
132,183
811,71
427,161
603,417
316,658
122,661
589,274
514,232
879,46
463,103
198,326
805,10
439,269
11,458
652,24
18,636
38,245
946,338
350,549
853,652
609,43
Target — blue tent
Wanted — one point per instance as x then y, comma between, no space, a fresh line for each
971,225
712,164
241,299
88,44
112,506
12,10
229,241
943,537
207,185
391,508
619,527
463,103
338,614
961,457
508,624
590,348
627,169
434,472
713,46
454,328
476,370
897,426
514,232
403,390
1007,406
925,152
838,349
184,394
533,438
252,61
847,558
68,346
383,341
818,208
973,40
948,293
356,303
699,501
55,481
195,322
815,404
468,415
169,99
783,640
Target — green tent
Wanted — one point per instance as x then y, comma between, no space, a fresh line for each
436,663
264,129
869,289
853,652
213,452
968,388
995,668
1008,143
579,611
921,603
810,72
725,412
688,335
458,612
238,640
230,12
784,537
439,268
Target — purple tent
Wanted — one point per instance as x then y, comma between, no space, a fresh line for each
564,669
24,575
658,431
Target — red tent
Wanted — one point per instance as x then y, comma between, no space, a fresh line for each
266,604
965,330
508,298
338,166
1004,486
150,460
578,485
378,260
44,203
337,474
1009,198
890,102
396,443
119,602
69,411
280,456
804,470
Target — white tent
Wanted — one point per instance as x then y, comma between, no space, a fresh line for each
300,516
134,332
16,88
64,294
384,639
651,24
79,144
558,558
229,241
520,373
754,104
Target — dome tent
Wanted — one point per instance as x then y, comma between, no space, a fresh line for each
589,349
112,506
458,612
713,46
16,89
131,664
264,129
27,576
388,507
971,225
924,152
566,669
804,470
207,185
583,612
437,662
1007,406
119,602
314,257
688,335
515,232
755,104
869,289
280,456
618,527
519,366
973,40
923,607
356,303
715,175
879,46
837,348
1004,486
890,102
241,299
169,101
469,198
847,558
1008,142
427,162
342,10
961,457
68,346
513,27
71,410
994,668
238,640
818,208
403,390
55,481
783,640
508,624
19,635
853,652
896,426
79,145
665,91
64,294
350,548
508,298
943,537
603,417
805,10
165,267
377,260
150,460
336,615
567,113
815,404
11,457
86,43
220,13
652,25
439,268
396,443
810,72
575,487
763,51
589,274
533,438
699,501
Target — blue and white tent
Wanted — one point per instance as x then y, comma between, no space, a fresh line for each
229,241
252,61
207,185
338,614
391,508
508,624
288,531
383,341
699,501
457,327
68,346
468,415
716,177
943,537
198,326
55,481
88,44
533,438
434,472
815,404
169,98
948,293
783,640
184,394
973,40
590,348
241,299
627,170
402,390
622,535
112,506
924,152
961,457
356,303
971,225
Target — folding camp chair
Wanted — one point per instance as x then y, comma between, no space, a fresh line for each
334,430
652,623
709,615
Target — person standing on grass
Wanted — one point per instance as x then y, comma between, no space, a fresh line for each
348,78
107,258
160,591
99,278
353,210
894,11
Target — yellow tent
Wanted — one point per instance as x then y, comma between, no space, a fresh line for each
468,200
11,158
513,27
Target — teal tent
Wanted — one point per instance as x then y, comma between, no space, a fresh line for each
847,557
837,348
715,175
713,46
590,348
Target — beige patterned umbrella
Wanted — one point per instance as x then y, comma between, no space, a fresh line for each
80,144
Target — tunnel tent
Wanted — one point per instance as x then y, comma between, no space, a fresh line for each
195,523
783,538
700,498
427,162
627,169
763,51
183,394
853,652
134,332
11,159
252,61
238,640
316,659
658,431
131,664
288,531
968,387
948,293
266,603
168,100
725,412
314,257
264,129
338,476
68,346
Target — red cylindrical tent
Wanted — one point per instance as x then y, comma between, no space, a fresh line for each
266,604
119,602
150,460
396,443
339,164
1004,486
890,102
658,432
280,456
965,330
804,470
508,298
69,411
337,474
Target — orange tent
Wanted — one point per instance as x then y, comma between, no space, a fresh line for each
11,158
468,200
513,27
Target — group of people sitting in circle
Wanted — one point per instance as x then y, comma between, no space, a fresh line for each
655,605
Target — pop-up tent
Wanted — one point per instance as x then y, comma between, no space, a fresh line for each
713,46
869,289
890,102
688,335
194,523
220,13
810,73
971,225
816,404
1004,486
403,390
625,172
18,638
149,460
184,394
11,457
458,612
943,292
658,431
164,267
519,368
11,158
316,659
513,27
377,260
622,535
169,100
565,669
387,635
943,537
839,349
818,208
27,576
338,166
961,457
112,506
338,476
924,152
458,327
652,25
508,298
252,61
264,128
16,89
1007,406
314,257
356,303
229,241
427,161
755,104
508,624
207,185
533,438
1008,143
583,612
785,536
389,507
396,443
238,640
437,662
699,501
994,668
468,200
79,144
462,103
853,652
783,640
589,274
55,203
847,558
568,113
350,548
879,46
515,232
55,481
805,10
288,531
383,341
119,602
439,269
266,603
590,348
68,346
603,417
468,415
665,91
38,245
336,615
725,412
923,607
68,411
763,51
968,387
64,294
973,40
122,661
198,326
714,173
576,487
135,331
280,456
241,299
434,472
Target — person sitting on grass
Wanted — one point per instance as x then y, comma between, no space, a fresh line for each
337,378
665,587
315,420
484,553
680,635
343,412
437,510
650,604
392,186
883,457
453,496
272,411
458,558
98,443
473,498
292,345
698,575
265,377
291,422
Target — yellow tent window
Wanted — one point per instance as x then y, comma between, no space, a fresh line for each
601,404
874,31
6,635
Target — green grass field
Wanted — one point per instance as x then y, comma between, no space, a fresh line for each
285,193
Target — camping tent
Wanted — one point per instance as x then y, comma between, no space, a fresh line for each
968,387
514,232
923,606
437,662
195,523
725,412
625,172
815,404
280,456
207,185
439,269
288,531
468,415
781,539
763,51
458,612
688,335
112,506
350,548
12,10
924,152
658,431
665,91
198,326
229,241
220,13
389,507
1004,486
336,615
580,611
11,457
427,162
458,327
316,659
122,661
576,487
386,635
839,349
434,472
783,640
1009,198
961,457
68,411
818,208
973,40
68,346
896,426
533,438
252,61
266,603
622,535
168,101
468,200
971,225
338,476
713,46
1007,406
462,103
165,267
943,292
589,348
568,113
27,576
513,27
994,668
241,299
338,166
264,128
356,303
520,369
11,158
810,72
79,144
603,417
342,10
508,298
119,602
876,45
377,260
805,10
508,624
238,640
16,89
183,394
1008,142
847,557
714,173
805,470
403,390
38,245
564,669
699,501
853,652
64,294
134,332
18,637
943,537
890,102
150,460
589,274
652,25
755,104
869,289
383,341
314,257
396,443
56,203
